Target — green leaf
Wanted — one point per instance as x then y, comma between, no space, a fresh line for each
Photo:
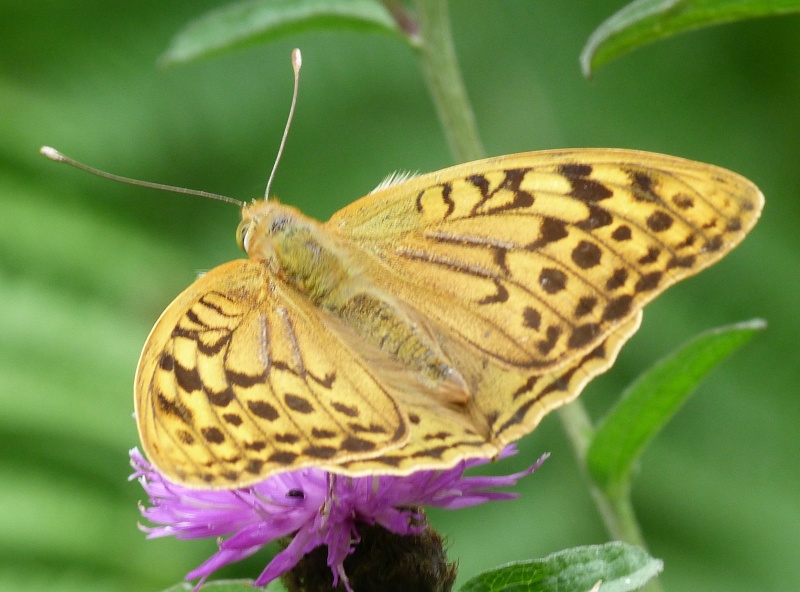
258,21
654,397
620,566
644,21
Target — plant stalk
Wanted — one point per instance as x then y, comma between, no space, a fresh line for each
613,503
433,41
437,57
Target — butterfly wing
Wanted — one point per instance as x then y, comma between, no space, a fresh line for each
512,402
524,265
529,272
240,378
534,258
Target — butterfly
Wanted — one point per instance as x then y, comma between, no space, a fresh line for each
436,319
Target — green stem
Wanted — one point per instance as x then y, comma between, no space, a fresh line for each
439,64
433,41
614,504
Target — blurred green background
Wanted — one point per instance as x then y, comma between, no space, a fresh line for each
86,266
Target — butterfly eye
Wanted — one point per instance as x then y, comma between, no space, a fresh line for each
241,234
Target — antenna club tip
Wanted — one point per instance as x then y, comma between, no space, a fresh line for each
51,153
297,59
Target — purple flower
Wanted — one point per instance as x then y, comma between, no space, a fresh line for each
317,507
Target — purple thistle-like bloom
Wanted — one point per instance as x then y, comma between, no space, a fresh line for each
317,507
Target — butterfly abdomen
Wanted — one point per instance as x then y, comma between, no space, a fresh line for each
384,324
325,272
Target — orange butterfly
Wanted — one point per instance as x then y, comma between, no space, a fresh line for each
438,318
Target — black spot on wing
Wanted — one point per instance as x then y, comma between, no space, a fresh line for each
321,434
585,305
212,348
287,438
213,435
583,334
320,452
584,188
173,408
659,221
621,233
298,403
282,457
446,191
254,466
232,419
650,257
643,187
263,410
353,444
618,308
648,281
221,399
326,381
166,362
370,429
685,262
187,378
552,280
576,170
531,318
617,279
500,295
589,190
546,345
597,218
244,380
551,230
511,182
586,255
683,201
185,437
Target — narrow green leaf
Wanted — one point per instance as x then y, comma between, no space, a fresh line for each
644,21
620,567
258,21
650,401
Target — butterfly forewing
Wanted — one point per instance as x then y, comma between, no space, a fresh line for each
533,259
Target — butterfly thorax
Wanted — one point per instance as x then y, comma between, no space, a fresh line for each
330,273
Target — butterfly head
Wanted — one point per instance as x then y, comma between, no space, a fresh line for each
257,217
265,223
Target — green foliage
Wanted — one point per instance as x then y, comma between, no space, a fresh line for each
618,566
645,21
649,403
260,21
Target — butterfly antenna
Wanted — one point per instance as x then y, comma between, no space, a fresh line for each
297,62
55,155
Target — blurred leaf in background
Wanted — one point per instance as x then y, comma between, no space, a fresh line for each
87,266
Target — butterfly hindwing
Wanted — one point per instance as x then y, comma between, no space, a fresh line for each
240,379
